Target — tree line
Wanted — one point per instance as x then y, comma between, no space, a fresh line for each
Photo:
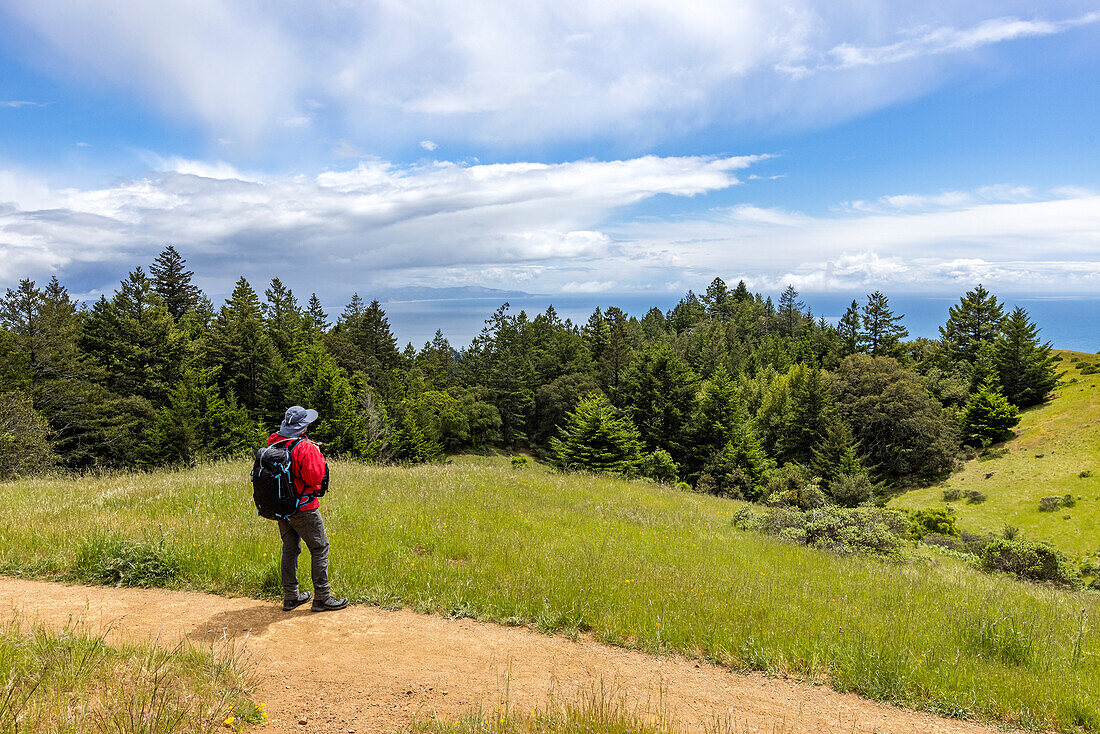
727,391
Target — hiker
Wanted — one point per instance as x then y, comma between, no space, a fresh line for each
309,473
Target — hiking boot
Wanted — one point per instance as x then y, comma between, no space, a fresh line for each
291,604
328,605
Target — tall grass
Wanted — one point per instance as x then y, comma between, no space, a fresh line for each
631,563
74,682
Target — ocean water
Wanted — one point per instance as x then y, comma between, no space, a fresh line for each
1068,323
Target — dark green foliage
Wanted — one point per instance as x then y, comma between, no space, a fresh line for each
849,328
172,282
1029,560
249,367
851,490
882,330
286,323
658,391
197,423
739,469
597,438
836,455
558,398
320,383
988,418
717,415
900,427
976,320
24,444
1024,366
792,486
933,520
659,466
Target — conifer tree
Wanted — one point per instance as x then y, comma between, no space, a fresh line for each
317,322
1024,365
849,327
658,390
249,365
284,318
716,417
740,469
741,292
717,299
172,282
976,320
836,454
135,341
882,330
988,417
790,310
319,383
597,438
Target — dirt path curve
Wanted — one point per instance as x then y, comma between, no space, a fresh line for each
368,670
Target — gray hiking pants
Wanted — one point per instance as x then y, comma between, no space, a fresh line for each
307,526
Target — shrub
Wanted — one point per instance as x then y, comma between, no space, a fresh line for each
975,497
659,466
1029,560
850,490
988,418
518,462
1050,504
791,486
951,495
112,560
24,445
1084,474
1069,500
933,520
839,529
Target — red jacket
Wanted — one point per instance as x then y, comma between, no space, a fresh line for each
307,466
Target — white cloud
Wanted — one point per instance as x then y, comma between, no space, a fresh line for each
1005,236
377,222
16,103
508,73
428,145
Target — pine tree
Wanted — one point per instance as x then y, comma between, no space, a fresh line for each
882,330
317,322
790,310
811,412
837,454
285,321
976,320
596,438
717,299
715,419
657,391
741,292
319,383
134,339
740,469
849,327
250,367
1024,365
988,417
172,282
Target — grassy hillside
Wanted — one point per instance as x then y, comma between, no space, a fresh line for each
1056,452
633,563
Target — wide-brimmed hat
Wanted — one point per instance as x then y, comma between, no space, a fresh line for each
296,421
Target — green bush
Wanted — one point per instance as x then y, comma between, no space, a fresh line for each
933,520
975,497
659,466
838,529
1027,559
518,462
1050,504
113,560
851,490
951,495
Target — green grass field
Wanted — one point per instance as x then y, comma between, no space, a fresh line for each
1055,444
73,682
633,563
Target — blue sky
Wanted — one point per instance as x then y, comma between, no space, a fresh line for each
611,149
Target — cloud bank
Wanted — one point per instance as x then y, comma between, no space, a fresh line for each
500,72
542,228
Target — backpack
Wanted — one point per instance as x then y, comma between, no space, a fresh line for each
273,481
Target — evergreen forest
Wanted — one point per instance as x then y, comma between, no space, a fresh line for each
727,392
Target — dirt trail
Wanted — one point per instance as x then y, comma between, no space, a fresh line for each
368,670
